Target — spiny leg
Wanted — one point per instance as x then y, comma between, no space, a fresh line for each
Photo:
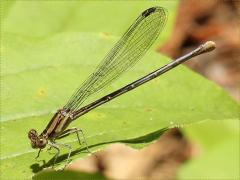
85,141
54,145
50,147
38,153
74,130
69,153
68,132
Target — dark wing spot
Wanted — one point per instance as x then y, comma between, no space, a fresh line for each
148,11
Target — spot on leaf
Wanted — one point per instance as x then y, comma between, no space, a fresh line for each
41,93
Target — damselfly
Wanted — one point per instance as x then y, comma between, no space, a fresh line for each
127,51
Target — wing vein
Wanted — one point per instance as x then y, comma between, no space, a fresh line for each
126,53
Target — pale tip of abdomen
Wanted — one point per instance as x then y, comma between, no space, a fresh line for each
208,46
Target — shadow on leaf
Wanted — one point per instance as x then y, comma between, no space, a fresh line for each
142,139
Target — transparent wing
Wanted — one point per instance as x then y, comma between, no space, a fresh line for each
126,52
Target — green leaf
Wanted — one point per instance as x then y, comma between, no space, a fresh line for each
41,68
179,97
46,18
5,8
62,175
218,149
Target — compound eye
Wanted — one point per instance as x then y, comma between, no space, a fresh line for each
32,133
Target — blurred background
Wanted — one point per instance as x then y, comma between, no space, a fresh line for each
186,153
209,20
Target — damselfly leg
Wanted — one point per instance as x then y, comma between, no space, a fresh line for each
75,130
57,147
38,154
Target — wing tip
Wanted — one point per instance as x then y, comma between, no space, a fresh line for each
148,11
151,10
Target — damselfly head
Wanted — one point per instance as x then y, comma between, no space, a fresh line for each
37,141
